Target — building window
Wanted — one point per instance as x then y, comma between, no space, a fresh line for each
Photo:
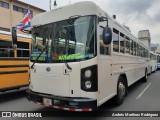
22,10
15,8
31,13
18,9
5,29
4,4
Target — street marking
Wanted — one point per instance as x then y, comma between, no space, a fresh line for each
143,91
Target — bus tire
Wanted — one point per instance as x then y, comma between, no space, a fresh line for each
145,78
121,91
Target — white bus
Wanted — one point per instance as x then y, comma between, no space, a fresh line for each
152,62
158,61
81,57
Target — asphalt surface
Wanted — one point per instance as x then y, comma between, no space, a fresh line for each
141,97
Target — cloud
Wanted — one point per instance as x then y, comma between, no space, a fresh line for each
127,7
138,15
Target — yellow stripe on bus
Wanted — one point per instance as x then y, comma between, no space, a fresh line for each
9,38
13,69
12,80
14,62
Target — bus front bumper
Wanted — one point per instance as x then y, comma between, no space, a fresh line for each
62,103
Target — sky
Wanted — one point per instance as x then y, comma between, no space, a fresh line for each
136,14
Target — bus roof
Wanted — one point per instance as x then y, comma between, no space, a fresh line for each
153,53
79,8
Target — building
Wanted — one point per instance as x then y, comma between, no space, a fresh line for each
145,37
155,48
12,13
158,50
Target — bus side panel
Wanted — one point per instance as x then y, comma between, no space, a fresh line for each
106,85
13,73
133,68
13,80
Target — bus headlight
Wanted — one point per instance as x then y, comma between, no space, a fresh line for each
88,73
88,84
89,79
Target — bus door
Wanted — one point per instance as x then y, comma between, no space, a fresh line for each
105,66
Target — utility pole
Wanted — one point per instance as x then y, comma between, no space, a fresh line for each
55,4
50,4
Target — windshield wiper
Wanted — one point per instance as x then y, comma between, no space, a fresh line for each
67,65
32,67
65,61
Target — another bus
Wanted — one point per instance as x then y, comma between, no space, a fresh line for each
81,57
152,62
158,62
14,61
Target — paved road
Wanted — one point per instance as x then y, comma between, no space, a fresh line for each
141,97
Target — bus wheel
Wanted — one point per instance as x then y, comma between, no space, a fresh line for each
121,91
145,77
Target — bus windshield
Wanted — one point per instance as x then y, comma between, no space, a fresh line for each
70,40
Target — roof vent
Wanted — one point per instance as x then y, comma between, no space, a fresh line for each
114,16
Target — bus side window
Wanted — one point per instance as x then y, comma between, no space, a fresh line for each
6,49
143,52
127,44
137,53
135,49
146,53
132,47
115,40
122,43
22,49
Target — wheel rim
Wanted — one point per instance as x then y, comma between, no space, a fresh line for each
121,90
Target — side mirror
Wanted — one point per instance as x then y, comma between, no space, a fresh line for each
102,19
14,35
107,35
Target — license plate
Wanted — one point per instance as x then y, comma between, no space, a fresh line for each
47,101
